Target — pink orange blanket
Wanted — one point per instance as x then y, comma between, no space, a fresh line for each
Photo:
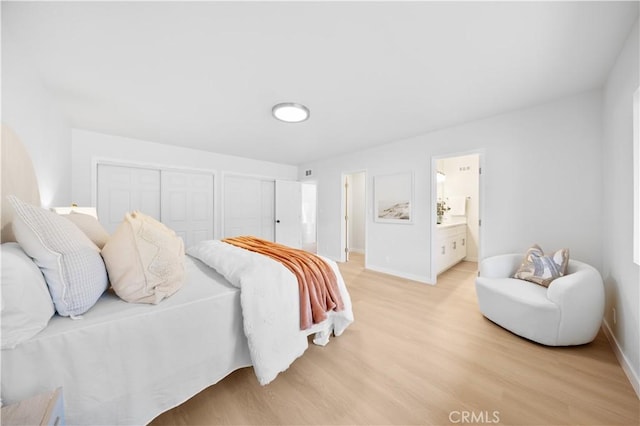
317,282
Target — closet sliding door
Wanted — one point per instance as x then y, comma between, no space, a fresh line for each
182,200
124,189
187,205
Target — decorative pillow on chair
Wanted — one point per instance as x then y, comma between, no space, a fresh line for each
70,262
541,269
26,303
90,226
145,260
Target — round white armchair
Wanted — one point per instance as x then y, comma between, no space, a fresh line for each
568,312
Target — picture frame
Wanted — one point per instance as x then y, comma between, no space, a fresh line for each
393,198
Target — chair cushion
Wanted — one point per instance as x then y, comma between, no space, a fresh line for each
519,306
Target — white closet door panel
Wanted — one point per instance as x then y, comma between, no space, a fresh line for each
124,189
268,210
248,207
289,213
187,205
242,226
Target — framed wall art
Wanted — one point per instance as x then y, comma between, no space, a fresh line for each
393,198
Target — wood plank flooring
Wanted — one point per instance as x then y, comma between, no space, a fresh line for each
421,354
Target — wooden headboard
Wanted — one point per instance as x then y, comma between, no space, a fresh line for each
18,178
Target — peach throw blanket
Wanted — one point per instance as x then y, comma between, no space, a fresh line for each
316,280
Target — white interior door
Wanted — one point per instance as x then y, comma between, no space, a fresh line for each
248,207
289,213
268,210
187,205
124,189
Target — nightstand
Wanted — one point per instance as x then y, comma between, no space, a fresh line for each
44,409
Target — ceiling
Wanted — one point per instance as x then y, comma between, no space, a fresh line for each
205,75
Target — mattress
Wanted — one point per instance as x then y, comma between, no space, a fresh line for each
127,363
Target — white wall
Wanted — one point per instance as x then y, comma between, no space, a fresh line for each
542,182
90,147
622,276
29,109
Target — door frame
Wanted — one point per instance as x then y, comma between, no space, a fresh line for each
434,195
343,213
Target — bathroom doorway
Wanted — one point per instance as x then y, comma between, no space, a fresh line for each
456,201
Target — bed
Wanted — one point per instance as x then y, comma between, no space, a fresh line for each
126,363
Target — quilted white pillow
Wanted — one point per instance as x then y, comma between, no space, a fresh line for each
26,303
70,262
145,260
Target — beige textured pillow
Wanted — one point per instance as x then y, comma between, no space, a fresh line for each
540,269
90,226
145,260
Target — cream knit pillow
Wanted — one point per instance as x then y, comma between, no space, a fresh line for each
144,259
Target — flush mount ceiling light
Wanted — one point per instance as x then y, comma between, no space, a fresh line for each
290,112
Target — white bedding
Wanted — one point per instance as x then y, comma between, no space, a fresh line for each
271,305
126,363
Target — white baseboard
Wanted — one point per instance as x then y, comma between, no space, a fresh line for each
632,375
356,250
411,277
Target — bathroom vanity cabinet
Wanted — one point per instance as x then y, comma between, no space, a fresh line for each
451,244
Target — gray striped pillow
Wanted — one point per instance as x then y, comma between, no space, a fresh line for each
70,262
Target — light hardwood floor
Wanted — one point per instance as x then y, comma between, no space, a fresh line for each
421,354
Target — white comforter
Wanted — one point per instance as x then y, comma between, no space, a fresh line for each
270,305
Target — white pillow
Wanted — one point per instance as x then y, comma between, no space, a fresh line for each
90,226
26,303
145,260
70,262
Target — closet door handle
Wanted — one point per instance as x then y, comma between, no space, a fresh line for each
463,240
454,245
278,221
442,249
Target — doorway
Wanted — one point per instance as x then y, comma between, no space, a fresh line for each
309,217
354,223
456,201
